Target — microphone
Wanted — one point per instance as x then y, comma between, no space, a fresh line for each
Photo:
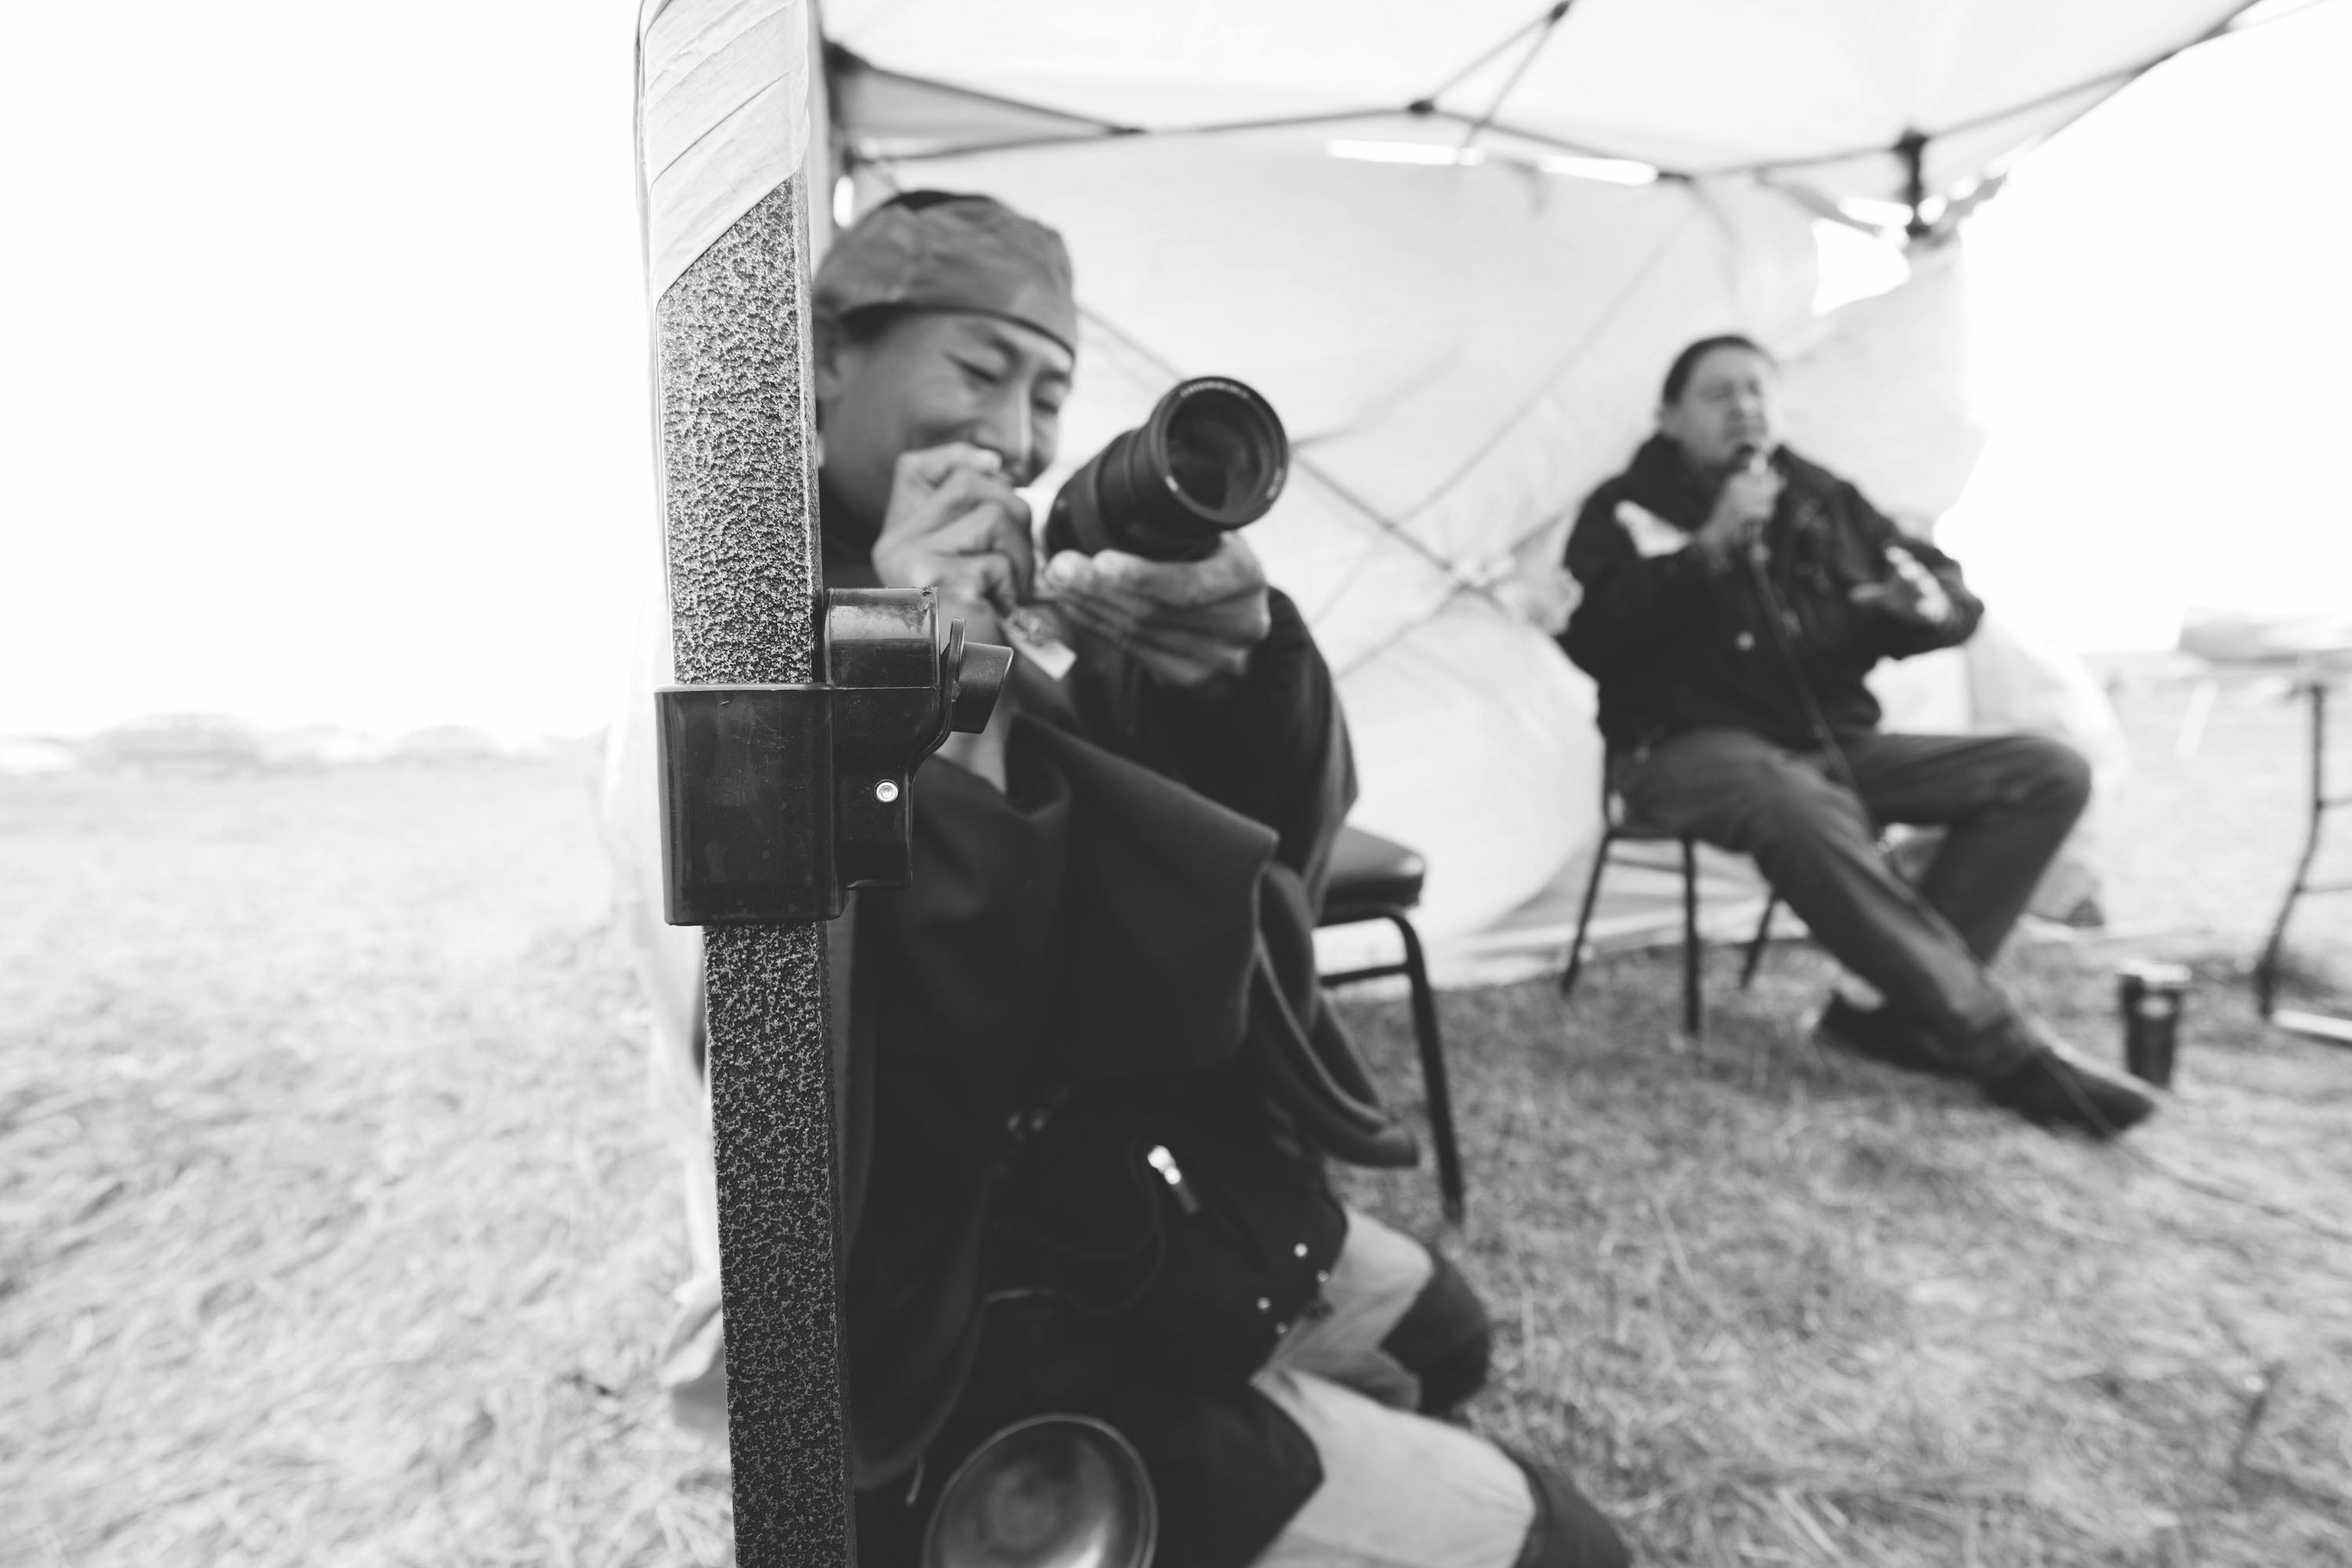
1755,460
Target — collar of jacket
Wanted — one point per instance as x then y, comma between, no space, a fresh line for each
1664,480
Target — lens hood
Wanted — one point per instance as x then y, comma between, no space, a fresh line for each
1212,458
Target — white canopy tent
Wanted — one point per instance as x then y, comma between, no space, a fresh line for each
1825,92
1456,245
1438,238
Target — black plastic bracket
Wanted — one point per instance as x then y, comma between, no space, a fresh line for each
777,800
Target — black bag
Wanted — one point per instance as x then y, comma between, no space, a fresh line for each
1196,1251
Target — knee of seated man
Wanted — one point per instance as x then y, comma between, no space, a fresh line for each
1444,1338
1792,801
2061,770
2040,770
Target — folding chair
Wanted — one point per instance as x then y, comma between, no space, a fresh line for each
1618,827
1376,878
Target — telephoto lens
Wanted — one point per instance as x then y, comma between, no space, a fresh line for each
1210,458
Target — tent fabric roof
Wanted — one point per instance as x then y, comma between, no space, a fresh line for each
1820,92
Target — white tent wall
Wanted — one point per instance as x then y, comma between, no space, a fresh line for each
1879,390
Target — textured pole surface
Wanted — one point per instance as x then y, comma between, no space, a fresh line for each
739,489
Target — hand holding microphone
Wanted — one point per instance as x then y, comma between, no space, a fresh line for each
1742,506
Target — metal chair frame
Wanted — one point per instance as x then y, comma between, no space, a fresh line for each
1617,829
1426,1039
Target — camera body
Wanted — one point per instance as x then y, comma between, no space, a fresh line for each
1212,458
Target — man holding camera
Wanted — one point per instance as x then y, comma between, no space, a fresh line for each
1735,597
1082,1175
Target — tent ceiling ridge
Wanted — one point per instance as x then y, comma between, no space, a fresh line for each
1545,29
1546,18
1089,131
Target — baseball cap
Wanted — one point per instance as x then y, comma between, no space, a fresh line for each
945,250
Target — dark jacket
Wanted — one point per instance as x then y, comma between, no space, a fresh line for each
1089,939
1678,645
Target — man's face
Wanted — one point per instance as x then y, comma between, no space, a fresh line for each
932,377
1729,406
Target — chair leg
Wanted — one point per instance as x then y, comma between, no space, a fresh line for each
1692,1023
1433,1070
1584,914
1756,945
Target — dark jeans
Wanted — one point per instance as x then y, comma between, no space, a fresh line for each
2007,803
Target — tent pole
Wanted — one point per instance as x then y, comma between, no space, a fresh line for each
1913,149
738,478
737,459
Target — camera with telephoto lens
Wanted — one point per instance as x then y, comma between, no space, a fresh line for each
1210,458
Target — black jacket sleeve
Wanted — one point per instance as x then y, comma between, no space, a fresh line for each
1634,608
1901,637
1274,748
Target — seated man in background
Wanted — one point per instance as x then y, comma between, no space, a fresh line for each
1735,597
1071,1184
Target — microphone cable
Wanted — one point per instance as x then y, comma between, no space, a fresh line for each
1781,625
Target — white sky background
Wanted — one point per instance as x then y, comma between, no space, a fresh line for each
324,337
2162,313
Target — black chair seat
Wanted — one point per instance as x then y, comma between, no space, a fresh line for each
1371,875
1636,830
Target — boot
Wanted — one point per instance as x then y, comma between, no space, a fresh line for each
1567,1531
2051,1091
1879,1035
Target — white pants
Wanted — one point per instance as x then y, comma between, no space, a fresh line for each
1399,1490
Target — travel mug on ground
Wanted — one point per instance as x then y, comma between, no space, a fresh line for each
2150,994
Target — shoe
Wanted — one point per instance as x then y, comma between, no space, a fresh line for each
2051,1091
1877,1034
1567,1531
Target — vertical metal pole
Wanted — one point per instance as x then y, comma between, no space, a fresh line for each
1911,148
2319,750
2266,966
738,485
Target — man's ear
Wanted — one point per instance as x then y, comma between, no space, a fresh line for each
828,347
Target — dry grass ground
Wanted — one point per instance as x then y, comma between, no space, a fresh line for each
331,1230
1781,1307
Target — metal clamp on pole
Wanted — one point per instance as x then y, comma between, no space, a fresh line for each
777,800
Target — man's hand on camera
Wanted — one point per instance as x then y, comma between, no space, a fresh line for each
1192,624
1742,507
955,524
